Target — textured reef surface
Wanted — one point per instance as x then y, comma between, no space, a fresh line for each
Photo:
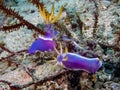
59,44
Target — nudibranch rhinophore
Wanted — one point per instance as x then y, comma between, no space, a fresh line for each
77,62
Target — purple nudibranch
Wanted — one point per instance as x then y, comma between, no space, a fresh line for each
77,62
45,43
42,44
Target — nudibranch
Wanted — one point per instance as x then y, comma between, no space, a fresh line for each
46,43
77,62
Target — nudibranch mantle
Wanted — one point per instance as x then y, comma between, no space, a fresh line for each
77,62
42,44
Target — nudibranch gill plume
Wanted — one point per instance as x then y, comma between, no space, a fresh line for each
49,17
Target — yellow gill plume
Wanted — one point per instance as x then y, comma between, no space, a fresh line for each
52,13
61,52
49,17
58,16
41,10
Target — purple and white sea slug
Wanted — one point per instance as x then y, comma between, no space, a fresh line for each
77,62
45,43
